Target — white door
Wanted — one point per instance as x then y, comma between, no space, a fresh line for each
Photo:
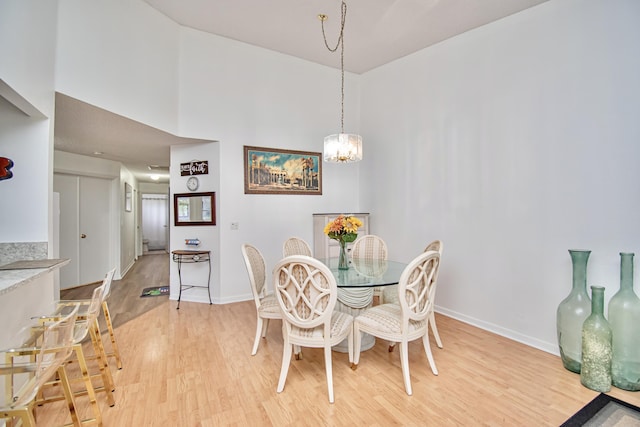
85,210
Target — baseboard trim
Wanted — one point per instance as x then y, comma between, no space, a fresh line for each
507,333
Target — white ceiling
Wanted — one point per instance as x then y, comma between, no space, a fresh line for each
376,32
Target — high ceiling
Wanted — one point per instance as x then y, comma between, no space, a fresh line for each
376,32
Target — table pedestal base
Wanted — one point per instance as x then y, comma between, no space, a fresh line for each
353,301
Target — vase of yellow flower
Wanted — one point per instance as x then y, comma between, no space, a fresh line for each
344,229
343,263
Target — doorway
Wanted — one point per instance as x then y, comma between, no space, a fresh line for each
155,218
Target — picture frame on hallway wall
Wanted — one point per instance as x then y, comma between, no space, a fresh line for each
279,171
128,196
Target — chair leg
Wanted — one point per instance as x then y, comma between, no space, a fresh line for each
265,327
432,322
256,341
112,335
427,349
357,343
25,415
350,344
328,368
103,363
69,397
286,360
82,363
404,361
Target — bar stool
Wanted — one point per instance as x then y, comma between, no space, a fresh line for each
29,365
115,353
87,326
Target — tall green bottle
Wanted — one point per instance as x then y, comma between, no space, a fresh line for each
624,319
572,312
595,372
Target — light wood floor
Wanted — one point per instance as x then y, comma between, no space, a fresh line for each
125,302
193,367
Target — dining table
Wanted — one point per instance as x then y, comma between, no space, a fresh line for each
356,285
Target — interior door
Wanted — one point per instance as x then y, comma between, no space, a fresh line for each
84,228
67,187
94,228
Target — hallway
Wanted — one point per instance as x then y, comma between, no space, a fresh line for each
125,302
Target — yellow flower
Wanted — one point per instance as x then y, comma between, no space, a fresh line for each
343,228
351,224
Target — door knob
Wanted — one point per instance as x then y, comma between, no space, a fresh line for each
83,236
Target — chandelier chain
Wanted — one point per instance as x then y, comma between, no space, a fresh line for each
339,43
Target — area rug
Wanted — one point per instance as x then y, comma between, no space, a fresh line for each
605,411
155,291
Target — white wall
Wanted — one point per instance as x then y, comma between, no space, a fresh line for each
25,141
122,56
209,235
244,95
27,47
153,188
512,143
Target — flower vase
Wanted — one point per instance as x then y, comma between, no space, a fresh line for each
595,372
343,262
572,312
624,319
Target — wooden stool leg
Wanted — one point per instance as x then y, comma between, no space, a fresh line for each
103,364
26,416
68,394
112,335
89,386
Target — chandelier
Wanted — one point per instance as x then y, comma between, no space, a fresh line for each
341,147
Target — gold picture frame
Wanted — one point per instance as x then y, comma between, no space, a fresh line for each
279,171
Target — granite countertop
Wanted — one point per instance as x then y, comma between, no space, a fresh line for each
18,273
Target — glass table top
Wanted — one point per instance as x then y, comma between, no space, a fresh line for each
366,273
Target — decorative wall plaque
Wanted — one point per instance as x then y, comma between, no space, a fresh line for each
195,167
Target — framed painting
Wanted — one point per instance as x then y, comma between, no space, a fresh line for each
127,197
276,171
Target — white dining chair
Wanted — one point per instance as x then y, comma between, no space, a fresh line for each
370,247
390,295
306,291
408,320
296,246
266,305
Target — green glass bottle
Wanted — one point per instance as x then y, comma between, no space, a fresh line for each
595,372
572,312
624,319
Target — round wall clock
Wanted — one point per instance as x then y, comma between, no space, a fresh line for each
192,183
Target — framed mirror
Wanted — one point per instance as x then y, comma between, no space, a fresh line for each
194,209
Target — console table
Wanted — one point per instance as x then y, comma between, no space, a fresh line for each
190,257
